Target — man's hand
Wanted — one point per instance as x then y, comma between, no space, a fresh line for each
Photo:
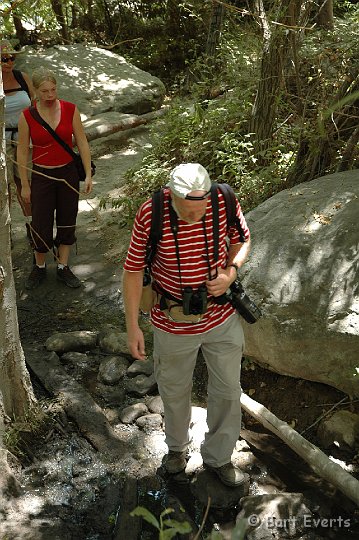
136,343
221,283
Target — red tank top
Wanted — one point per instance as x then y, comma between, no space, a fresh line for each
46,151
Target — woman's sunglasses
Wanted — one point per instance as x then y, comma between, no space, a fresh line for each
6,59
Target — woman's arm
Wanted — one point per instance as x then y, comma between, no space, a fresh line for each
22,157
84,148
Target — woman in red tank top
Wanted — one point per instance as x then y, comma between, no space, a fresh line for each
54,183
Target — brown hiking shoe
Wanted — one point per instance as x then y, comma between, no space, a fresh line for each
36,277
175,462
228,474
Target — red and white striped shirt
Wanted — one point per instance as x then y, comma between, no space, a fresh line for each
193,259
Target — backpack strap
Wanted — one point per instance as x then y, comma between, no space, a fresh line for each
20,79
156,225
215,219
231,209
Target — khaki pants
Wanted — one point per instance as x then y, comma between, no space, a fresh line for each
175,358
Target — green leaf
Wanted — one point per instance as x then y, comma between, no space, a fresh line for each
180,526
146,515
167,534
166,511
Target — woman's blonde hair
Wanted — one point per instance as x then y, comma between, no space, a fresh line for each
41,75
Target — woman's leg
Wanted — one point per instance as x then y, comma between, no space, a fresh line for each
43,203
67,197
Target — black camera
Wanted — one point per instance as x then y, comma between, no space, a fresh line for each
243,304
194,302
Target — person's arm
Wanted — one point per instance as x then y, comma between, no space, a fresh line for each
132,291
84,148
30,86
22,156
237,254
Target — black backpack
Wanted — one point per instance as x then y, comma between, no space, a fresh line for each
157,219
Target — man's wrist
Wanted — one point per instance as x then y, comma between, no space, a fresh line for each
233,265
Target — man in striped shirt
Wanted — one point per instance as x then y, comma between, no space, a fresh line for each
186,258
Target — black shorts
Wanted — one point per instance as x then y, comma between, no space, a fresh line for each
57,196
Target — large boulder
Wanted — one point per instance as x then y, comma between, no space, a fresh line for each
96,79
304,272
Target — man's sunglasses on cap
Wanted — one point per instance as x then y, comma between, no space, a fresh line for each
200,198
6,59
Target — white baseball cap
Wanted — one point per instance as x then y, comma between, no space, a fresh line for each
189,177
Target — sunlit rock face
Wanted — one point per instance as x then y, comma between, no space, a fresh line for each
303,271
97,80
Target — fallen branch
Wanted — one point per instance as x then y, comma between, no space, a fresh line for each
77,403
127,121
318,461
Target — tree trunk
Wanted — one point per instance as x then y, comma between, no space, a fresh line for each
276,51
318,154
20,31
325,17
59,14
16,394
215,30
173,17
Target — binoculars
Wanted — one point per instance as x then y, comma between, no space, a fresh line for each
194,302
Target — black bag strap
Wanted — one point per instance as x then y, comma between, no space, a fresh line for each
156,225
35,114
20,79
215,220
231,209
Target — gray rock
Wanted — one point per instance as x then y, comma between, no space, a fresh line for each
112,369
207,484
141,385
150,422
139,366
76,358
283,515
113,341
155,405
97,80
342,427
78,341
132,412
303,272
112,395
